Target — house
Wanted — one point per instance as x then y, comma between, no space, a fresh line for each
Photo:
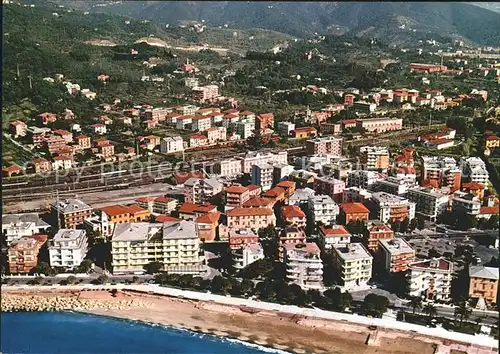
483,283
67,136
99,129
88,94
103,77
294,216
18,128
474,188
430,279
45,118
304,133
333,235
41,165
12,170
206,226
353,211
198,140
262,175
254,218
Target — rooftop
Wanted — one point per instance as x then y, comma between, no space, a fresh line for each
334,231
351,208
256,202
483,272
352,251
236,212
396,246
137,231
68,235
435,263
70,205
209,218
292,211
236,189
191,208
166,218
308,247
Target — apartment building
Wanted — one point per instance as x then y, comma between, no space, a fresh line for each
68,248
281,171
375,231
353,263
250,218
380,125
353,212
245,128
171,144
394,185
205,93
444,170
70,213
475,170
120,214
201,123
262,175
16,226
199,191
216,134
207,226
329,186
483,283
303,265
285,128
465,203
325,145
236,196
18,128
395,254
23,253
228,167
290,235
474,188
374,158
389,207
429,203
301,196
242,237
164,205
190,211
259,158
328,236
246,255
363,179
430,279
175,244
294,216
322,208
356,195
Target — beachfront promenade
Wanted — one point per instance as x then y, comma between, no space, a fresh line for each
479,340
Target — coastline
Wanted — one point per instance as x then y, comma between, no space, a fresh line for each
279,331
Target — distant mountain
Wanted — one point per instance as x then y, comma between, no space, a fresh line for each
493,6
369,19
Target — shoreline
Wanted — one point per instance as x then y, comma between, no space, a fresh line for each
273,330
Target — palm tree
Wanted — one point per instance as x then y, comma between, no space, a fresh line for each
462,311
416,303
430,310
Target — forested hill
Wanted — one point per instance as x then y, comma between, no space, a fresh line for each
370,19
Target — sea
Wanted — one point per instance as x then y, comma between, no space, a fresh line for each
77,333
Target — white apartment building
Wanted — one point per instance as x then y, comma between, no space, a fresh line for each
201,123
465,203
285,128
431,279
246,255
328,236
314,162
182,122
301,196
15,226
363,179
475,169
393,185
244,128
199,191
354,264
392,207
281,171
68,248
355,195
374,157
228,167
175,244
429,203
258,158
262,175
171,144
322,208
303,265
100,222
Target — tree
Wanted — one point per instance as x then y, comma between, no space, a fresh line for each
375,305
462,312
220,285
430,311
416,303
43,268
84,266
102,279
258,269
71,279
153,267
35,281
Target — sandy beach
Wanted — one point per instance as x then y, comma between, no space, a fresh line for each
277,330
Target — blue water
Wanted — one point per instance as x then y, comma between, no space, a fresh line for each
65,332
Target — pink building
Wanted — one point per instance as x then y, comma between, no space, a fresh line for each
216,134
205,93
325,145
329,186
380,125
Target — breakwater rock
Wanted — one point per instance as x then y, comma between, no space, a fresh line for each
14,303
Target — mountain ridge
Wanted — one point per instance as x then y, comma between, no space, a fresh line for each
467,21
